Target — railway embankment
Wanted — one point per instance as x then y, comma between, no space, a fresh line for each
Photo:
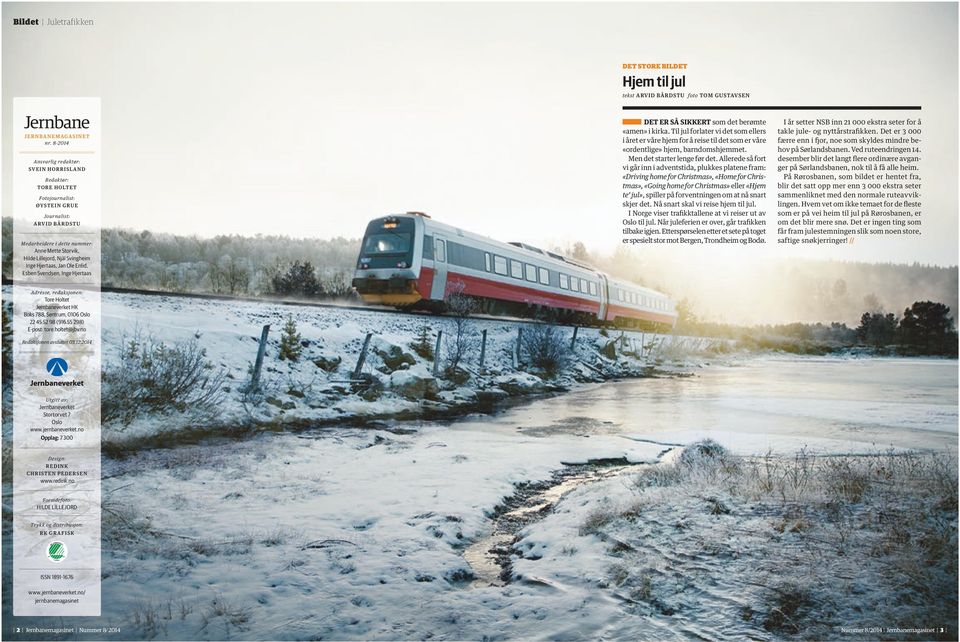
180,369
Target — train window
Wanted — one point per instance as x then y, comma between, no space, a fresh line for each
544,276
500,265
563,281
465,256
593,288
516,269
619,294
428,247
486,260
441,250
388,243
531,272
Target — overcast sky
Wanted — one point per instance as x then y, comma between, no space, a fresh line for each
503,119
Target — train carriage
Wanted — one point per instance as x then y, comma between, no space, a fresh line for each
410,260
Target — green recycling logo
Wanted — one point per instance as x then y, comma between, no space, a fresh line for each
57,551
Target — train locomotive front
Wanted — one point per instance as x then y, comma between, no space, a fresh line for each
390,261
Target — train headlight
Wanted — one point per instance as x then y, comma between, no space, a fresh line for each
402,264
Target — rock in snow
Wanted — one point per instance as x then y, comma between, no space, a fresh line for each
414,386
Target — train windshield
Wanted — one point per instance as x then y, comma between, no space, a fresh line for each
387,243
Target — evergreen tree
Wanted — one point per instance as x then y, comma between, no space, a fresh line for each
298,279
877,329
928,327
423,346
290,347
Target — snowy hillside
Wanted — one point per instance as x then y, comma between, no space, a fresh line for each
318,384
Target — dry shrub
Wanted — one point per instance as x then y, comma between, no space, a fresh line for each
545,348
790,603
702,462
596,519
123,525
844,479
227,613
153,377
888,518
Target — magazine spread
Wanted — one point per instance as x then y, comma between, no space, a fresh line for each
479,321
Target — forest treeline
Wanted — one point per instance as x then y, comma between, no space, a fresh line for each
924,328
228,264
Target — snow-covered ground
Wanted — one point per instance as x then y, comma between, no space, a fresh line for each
317,388
353,530
359,533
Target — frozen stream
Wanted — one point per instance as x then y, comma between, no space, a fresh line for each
776,402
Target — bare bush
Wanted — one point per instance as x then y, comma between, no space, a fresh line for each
153,377
462,339
545,348
457,344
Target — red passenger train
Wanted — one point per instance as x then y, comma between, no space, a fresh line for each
410,260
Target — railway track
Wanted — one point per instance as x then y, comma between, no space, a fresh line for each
346,306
